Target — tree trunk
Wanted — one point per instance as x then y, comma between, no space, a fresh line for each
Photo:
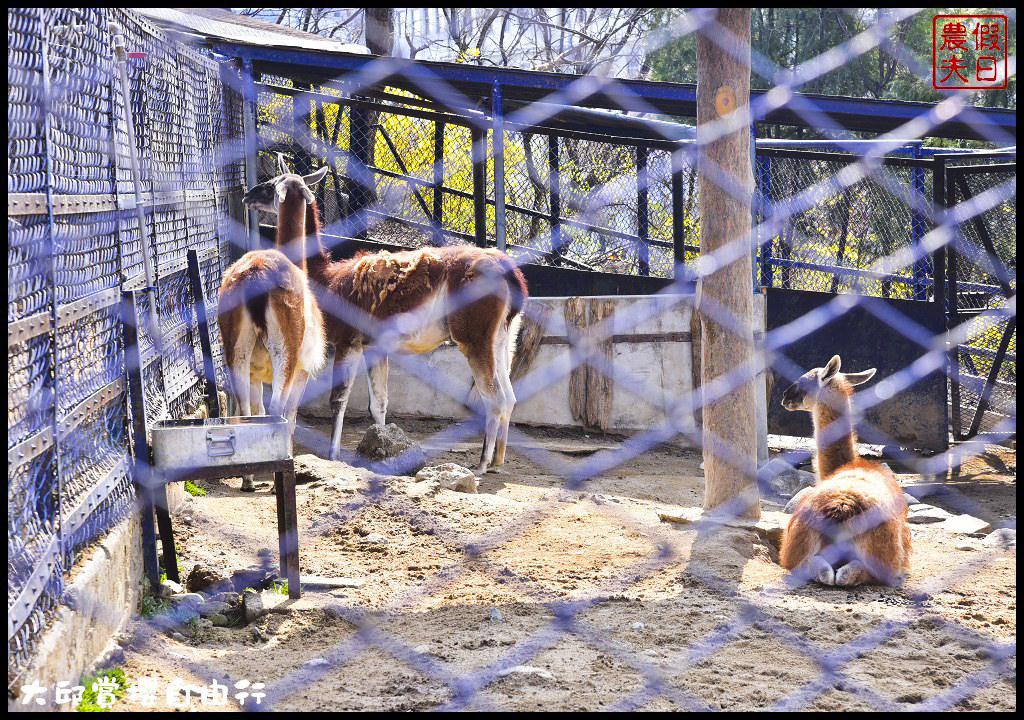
380,30
725,299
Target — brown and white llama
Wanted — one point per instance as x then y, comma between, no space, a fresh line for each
470,295
851,527
271,325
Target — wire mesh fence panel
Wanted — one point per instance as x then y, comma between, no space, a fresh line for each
74,242
983,275
593,557
832,246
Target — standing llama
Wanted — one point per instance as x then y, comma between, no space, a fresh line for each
470,295
272,326
851,527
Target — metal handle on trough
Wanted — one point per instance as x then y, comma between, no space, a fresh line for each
220,442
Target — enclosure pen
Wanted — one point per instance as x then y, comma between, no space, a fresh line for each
689,337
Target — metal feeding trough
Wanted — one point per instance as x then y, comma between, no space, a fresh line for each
216,442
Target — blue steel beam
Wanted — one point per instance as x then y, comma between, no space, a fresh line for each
856,114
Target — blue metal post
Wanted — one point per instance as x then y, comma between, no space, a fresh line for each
764,186
498,134
917,231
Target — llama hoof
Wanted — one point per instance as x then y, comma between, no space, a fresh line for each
820,571
850,574
248,488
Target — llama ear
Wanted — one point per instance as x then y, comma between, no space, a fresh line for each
308,194
314,178
282,192
829,371
282,165
859,378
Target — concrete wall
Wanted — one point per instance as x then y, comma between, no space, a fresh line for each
650,375
102,594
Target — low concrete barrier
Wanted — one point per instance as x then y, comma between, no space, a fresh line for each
652,354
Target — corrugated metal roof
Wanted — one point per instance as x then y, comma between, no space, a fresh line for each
225,25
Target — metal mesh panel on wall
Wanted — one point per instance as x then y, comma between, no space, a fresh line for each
74,244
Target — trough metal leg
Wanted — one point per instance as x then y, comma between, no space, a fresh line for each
150,560
163,519
288,529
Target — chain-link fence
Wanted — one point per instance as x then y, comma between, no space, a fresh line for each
74,244
416,161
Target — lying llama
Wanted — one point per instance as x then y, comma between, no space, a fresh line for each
272,326
851,527
470,295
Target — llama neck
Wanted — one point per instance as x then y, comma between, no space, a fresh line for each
319,259
833,434
291,229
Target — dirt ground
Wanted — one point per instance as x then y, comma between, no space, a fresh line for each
595,601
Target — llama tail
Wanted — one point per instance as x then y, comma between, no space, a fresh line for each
516,286
843,505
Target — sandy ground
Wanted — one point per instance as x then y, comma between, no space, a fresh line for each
607,606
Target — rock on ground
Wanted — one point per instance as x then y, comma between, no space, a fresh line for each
924,514
253,604
1003,537
205,578
388,450
449,476
777,477
966,525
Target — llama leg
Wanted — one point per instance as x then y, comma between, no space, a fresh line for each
487,387
377,380
241,386
295,397
346,360
503,372
852,573
256,398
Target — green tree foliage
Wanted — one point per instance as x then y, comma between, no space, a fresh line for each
790,37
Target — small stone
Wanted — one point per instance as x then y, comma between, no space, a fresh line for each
227,596
777,477
376,538
192,599
212,607
219,620
965,525
494,615
1002,537
179,637
258,634
388,450
421,649
637,626
169,587
966,547
922,514
204,578
256,577
207,623
316,662
607,628
527,671
449,476
253,605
